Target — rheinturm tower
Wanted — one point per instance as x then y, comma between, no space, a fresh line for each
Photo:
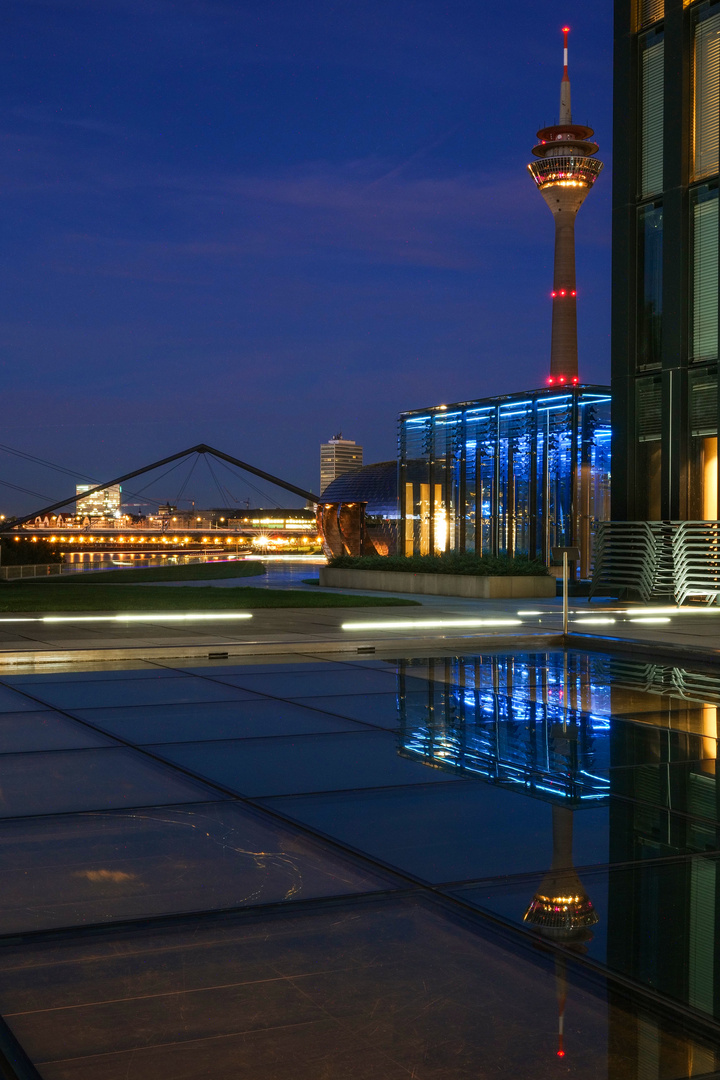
565,171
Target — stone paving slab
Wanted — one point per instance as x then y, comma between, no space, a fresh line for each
691,634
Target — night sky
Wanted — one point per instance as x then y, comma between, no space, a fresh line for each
255,224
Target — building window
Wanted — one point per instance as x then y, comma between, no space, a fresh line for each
706,92
703,460
649,11
651,110
648,433
704,201
649,330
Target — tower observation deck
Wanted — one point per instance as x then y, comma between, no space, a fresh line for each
565,171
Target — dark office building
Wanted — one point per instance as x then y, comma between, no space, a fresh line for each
665,269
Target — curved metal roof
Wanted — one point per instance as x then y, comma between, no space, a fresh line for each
374,484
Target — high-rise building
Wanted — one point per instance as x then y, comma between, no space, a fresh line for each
105,503
665,260
337,457
565,171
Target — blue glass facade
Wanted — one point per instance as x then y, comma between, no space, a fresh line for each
534,723
517,474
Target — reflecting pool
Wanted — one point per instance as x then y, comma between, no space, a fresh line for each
433,867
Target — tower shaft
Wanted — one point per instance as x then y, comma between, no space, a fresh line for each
563,344
566,171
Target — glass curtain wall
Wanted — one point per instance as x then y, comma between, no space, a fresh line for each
514,475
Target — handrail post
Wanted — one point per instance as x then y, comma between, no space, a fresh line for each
565,593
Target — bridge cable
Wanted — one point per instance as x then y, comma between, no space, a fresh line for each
186,481
257,490
26,491
223,494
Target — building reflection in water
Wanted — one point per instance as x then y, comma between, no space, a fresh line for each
576,731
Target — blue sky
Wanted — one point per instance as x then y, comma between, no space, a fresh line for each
257,223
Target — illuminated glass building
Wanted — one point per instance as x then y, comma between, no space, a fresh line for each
105,503
517,475
665,259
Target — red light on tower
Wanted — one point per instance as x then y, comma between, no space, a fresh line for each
550,381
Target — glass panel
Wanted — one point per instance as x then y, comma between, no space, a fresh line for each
382,710
82,673
20,732
651,122
55,783
650,249
506,475
308,763
620,918
377,992
415,447
318,683
703,457
13,702
683,786
90,868
705,273
450,832
706,79
211,668
215,720
90,695
516,837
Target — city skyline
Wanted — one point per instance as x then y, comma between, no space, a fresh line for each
270,213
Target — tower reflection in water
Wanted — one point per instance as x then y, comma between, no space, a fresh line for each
640,740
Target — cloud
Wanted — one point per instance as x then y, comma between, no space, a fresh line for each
368,211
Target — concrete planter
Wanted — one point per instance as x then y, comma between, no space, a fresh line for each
480,588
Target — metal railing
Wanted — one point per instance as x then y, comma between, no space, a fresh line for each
12,573
658,560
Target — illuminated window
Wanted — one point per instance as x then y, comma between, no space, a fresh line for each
703,457
706,92
649,11
651,126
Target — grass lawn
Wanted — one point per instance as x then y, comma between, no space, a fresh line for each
111,598
188,572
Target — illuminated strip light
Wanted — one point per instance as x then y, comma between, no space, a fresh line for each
426,624
169,617
649,620
536,613
671,611
595,621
